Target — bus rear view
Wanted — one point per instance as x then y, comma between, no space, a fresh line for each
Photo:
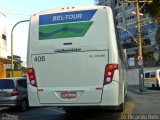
73,59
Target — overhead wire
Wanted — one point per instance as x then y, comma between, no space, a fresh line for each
18,14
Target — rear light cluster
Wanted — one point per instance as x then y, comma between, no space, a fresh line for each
14,92
109,72
32,76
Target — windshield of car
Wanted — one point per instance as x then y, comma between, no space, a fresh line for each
6,84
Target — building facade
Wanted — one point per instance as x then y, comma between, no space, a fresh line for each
5,61
3,35
126,22
3,44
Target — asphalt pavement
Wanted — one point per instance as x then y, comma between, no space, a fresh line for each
136,89
138,106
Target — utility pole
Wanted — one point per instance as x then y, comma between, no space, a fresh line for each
140,54
139,38
12,43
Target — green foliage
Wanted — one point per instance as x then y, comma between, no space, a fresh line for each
154,10
157,37
17,61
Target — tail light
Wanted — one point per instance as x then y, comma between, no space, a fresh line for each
32,76
14,92
109,72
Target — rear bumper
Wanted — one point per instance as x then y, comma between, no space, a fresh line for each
112,96
9,103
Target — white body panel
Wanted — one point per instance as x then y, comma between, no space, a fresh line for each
152,78
75,65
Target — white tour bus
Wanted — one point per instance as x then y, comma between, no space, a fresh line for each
75,60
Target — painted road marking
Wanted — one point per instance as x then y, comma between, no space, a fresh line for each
53,109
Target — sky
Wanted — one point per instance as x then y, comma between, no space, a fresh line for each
18,10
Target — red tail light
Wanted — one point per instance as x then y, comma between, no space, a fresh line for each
109,72
14,92
32,76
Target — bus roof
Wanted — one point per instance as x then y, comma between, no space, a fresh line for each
146,71
73,8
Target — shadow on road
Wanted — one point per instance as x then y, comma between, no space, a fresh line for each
93,114
135,89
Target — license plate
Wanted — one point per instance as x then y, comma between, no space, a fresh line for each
68,94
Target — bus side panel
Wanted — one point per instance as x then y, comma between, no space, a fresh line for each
115,56
158,77
33,96
113,92
110,94
122,82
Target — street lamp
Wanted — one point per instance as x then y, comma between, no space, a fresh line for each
12,44
128,33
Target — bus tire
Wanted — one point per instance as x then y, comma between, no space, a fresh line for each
23,105
153,86
157,84
120,108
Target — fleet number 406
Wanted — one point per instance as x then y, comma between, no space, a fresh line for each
39,58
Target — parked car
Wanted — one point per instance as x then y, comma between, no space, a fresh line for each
13,93
152,78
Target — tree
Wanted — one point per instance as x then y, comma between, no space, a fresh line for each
158,37
17,62
154,10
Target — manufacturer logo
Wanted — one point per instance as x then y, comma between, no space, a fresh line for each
65,25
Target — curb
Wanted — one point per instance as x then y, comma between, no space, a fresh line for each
145,92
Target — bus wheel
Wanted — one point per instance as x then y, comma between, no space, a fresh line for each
120,108
23,105
157,84
153,86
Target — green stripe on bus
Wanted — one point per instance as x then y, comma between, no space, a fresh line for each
64,30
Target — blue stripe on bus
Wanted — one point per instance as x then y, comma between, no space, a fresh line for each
66,17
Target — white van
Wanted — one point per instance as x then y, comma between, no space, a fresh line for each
75,59
152,78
